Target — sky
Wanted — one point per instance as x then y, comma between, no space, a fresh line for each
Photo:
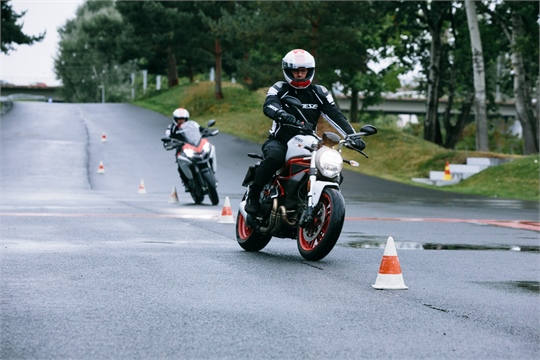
28,64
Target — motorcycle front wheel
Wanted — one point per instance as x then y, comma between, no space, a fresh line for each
211,184
247,238
197,194
319,238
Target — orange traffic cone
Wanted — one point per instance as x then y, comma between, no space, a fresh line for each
447,175
174,196
390,276
142,189
103,138
101,168
226,216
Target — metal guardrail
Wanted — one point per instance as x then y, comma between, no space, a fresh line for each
6,104
7,101
30,97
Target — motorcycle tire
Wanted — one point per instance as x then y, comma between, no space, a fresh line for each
197,194
211,184
249,239
317,240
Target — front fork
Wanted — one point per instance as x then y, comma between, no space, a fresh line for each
315,189
191,171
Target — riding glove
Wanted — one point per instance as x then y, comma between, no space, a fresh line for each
286,118
358,144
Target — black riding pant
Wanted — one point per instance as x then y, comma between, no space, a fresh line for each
274,152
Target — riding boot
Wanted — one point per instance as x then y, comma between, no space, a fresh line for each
253,205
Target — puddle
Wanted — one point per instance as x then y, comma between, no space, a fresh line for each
528,286
410,245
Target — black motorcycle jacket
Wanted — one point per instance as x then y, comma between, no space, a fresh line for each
316,100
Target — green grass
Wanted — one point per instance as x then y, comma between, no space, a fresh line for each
393,155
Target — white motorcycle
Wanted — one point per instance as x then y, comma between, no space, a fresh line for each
196,159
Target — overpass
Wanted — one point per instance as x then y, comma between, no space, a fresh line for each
417,106
31,92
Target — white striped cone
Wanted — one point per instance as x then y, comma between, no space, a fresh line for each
101,168
174,196
142,188
226,216
390,276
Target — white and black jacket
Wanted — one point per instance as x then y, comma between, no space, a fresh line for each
316,100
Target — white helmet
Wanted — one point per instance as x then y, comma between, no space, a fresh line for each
295,59
180,113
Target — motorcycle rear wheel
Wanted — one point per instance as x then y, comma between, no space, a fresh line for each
248,238
317,240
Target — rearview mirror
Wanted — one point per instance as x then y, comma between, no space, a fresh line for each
211,122
368,130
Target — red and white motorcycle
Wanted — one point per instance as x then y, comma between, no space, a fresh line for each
303,200
196,159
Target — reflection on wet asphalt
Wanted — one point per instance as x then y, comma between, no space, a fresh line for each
410,245
462,202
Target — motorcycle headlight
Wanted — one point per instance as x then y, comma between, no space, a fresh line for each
329,162
206,147
189,152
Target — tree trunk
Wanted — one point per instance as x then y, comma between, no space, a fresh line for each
353,113
432,100
454,132
172,73
217,54
524,107
482,140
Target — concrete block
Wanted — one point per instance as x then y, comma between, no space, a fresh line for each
464,171
436,175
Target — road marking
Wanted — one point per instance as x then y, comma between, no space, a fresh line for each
515,224
173,216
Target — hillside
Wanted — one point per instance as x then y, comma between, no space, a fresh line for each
393,155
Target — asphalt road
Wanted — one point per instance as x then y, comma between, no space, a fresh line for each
91,269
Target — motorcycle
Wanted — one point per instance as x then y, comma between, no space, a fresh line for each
196,160
303,199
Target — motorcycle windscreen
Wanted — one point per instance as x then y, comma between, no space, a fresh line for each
191,133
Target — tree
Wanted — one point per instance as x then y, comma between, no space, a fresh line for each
350,38
159,33
436,36
12,32
88,56
421,26
482,141
214,16
518,22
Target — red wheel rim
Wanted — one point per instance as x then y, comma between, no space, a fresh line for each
310,237
244,231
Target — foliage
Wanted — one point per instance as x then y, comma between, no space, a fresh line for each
11,31
246,40
88,60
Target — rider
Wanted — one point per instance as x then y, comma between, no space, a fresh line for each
180,117
298,69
